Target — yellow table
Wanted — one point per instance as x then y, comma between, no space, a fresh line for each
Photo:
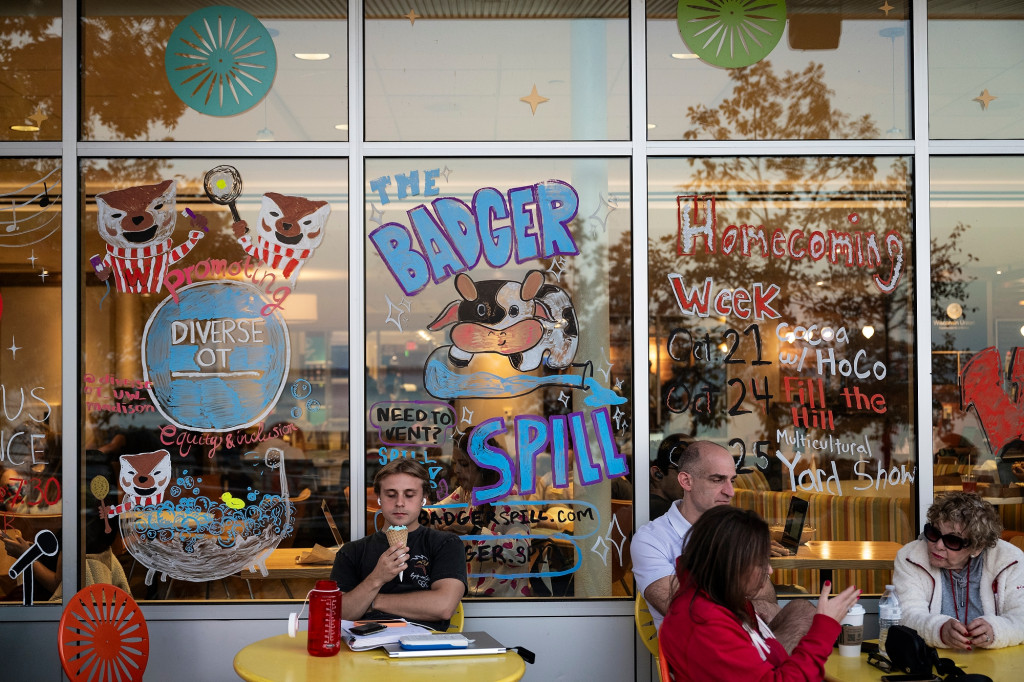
999,664
282,658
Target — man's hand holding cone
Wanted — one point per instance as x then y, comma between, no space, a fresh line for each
397,536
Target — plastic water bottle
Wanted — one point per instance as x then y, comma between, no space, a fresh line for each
324,636
889,614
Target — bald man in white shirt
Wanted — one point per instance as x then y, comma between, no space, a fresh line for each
706,475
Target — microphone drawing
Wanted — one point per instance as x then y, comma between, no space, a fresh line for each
46,544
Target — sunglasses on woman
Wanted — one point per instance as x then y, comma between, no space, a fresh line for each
952,542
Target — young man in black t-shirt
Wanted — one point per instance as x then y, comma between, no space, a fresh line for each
421,581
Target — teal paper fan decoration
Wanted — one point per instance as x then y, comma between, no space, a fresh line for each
220,61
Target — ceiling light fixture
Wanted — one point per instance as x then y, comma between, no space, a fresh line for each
312,56
651,126
341,126
25,128
684,55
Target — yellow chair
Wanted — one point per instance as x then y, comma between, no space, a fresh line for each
663,672
455,624
645,624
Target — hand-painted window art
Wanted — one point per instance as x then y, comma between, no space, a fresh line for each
168,526
982,387
731,33
216,362
220,61
136,223
529,323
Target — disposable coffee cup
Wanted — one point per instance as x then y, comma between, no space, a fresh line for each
853,631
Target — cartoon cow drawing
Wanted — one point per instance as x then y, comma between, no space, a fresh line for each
529,322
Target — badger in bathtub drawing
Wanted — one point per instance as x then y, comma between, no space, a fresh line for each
143,480
289,231
529,322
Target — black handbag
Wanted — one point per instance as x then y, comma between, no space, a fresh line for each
910,654
908,651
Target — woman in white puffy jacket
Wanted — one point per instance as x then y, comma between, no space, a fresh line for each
959,585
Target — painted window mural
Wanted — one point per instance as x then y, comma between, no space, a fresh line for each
782,329
215,374
978,330
498,351
32,488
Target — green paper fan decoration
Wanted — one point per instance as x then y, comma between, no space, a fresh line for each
220,61
731,33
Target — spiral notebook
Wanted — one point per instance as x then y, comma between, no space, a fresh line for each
480,643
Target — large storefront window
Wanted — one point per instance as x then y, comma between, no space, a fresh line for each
214,355
498,350
788,71
30,76
207,71
782,328
32,489
974,84
977,323
481,70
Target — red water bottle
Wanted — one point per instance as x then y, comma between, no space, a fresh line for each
324,636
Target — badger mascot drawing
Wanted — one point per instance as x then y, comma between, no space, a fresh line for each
137,223
289,231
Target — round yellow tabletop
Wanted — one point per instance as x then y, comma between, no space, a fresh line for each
284,659
996,663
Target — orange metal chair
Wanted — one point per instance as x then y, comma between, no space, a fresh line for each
103,636
663,671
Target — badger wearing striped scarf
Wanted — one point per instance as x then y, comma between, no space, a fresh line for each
144,478
137,223
290,228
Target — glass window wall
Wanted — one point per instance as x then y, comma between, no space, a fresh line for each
481,70
32,489
977,311
788,71
498,350
975,83
30,71
781,327
201,70
214,353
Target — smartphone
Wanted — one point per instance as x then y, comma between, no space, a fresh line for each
368,628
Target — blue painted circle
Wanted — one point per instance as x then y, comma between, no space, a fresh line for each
215,362
220,61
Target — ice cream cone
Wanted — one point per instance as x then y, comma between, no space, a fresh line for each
397,537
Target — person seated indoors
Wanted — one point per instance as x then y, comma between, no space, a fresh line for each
959,585
501,565
713,630
706,475
664,486
421,581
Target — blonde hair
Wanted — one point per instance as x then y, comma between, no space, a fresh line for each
979,519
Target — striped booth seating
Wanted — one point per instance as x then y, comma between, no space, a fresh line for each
1012,516
837,518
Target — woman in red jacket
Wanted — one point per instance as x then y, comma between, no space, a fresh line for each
711,631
